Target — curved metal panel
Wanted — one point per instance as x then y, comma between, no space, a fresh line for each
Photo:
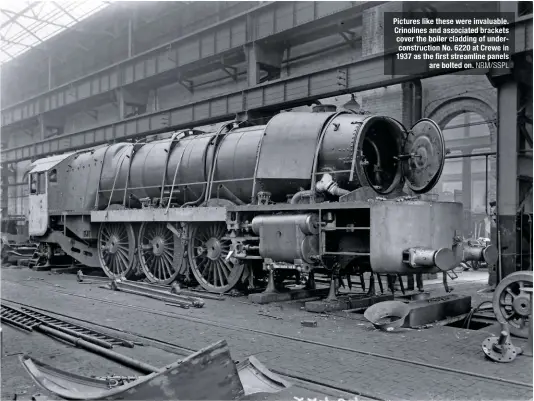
147,169
236,162
191,157
215,377
116,163
288,136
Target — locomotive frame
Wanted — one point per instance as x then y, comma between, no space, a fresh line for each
226,238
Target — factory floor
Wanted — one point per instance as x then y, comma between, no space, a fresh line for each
339,358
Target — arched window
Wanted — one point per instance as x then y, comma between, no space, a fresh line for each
464,178
52,176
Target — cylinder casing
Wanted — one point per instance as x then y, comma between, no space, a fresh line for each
287,238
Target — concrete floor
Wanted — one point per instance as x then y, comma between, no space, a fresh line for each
348,356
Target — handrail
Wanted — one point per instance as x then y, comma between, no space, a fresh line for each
100,177
216,143
127,176
174,178
171,143
114,182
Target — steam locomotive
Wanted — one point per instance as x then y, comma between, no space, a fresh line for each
335,192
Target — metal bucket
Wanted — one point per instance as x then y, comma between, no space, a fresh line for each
387,315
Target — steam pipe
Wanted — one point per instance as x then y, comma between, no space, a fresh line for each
299,195
320,142
327,184
230,195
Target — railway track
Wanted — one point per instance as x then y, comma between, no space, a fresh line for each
298,381
371,355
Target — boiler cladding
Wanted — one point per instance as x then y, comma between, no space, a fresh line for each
187,163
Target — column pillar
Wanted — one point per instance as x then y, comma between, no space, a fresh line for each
4,181
467,180
507,188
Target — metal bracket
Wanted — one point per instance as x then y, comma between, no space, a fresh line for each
92,113
348,36
452,274
526,195
231,71
187,84
169,49
523,119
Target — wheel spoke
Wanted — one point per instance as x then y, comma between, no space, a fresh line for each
222,270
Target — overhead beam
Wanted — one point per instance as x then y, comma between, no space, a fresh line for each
365,74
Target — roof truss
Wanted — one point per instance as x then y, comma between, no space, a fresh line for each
24,25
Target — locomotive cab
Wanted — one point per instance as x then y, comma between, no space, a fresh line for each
42,175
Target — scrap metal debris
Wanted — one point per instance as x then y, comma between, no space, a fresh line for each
501,349
387,315
90,279
151,288
216,377
271,316
184,301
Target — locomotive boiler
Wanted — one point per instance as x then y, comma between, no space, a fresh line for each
321,191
